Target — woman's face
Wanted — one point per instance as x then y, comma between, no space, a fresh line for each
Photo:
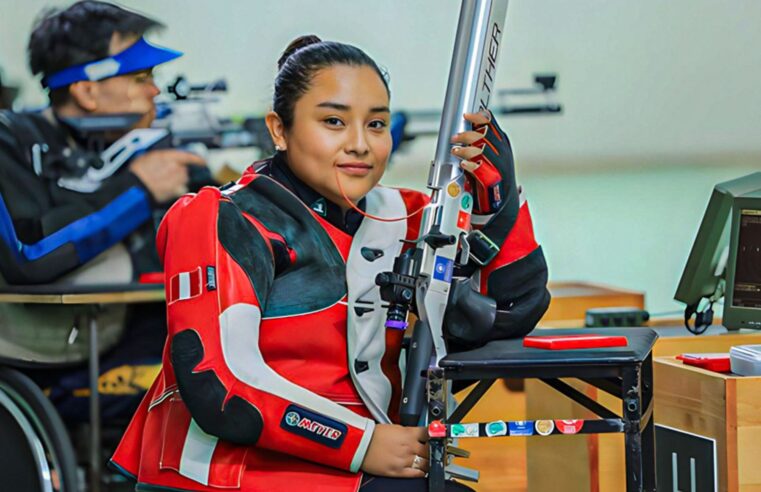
341,131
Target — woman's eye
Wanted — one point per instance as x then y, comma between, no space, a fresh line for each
378,124
333,121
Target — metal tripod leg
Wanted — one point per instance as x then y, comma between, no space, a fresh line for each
94,372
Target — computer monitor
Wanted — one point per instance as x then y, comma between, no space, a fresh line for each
723,260
742,301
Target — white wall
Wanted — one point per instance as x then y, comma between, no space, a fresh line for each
661,101
640,81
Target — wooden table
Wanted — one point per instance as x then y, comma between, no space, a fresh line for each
596,463
723,408
570,301
94,296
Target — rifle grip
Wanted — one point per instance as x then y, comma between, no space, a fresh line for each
414,396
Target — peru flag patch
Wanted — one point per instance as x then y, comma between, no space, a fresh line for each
185,285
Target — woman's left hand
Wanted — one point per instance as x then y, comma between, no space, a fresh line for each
488,158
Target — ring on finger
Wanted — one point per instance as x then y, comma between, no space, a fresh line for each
417,462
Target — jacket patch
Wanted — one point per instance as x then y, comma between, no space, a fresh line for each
211,278
185,285
320,207
313,426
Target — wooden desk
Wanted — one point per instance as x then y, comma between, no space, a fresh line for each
583,463
570,301
722,407
128,297
94,296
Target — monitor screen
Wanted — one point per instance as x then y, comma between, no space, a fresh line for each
725,259
747,286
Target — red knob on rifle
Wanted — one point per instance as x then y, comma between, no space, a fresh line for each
437,428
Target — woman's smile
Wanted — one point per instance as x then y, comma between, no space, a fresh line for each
355,168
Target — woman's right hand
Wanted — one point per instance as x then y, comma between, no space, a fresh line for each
393,450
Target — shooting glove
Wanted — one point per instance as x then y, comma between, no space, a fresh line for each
491,173
516,277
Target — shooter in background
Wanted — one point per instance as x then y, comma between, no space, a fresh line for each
94,61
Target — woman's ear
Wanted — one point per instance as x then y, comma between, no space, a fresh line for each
84,95
277,130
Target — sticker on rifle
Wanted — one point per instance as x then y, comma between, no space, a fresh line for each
569,426
544,427
313,426
185,285
464,430
496,428
463,220
521,428
466,201
453,189
443,269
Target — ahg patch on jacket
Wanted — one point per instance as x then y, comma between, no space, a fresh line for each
313,426
185,285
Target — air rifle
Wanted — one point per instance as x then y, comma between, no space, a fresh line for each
423,276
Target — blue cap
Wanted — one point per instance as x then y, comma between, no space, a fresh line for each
140,56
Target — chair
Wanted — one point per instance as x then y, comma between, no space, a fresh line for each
42,457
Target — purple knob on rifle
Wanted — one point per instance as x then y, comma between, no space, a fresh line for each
397,325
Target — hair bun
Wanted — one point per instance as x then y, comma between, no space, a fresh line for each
296,45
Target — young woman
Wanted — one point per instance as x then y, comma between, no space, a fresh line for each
278,372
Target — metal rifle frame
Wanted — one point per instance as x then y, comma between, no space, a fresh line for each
443,232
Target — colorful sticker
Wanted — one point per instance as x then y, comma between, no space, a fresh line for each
453,189
437,429
521,428
313,426
467,201
569,426
463,220
544,427
496,428
443,269
464,430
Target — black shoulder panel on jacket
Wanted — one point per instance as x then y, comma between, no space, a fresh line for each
318,275
243,242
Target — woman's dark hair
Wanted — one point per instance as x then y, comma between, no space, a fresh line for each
79,34
302,59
